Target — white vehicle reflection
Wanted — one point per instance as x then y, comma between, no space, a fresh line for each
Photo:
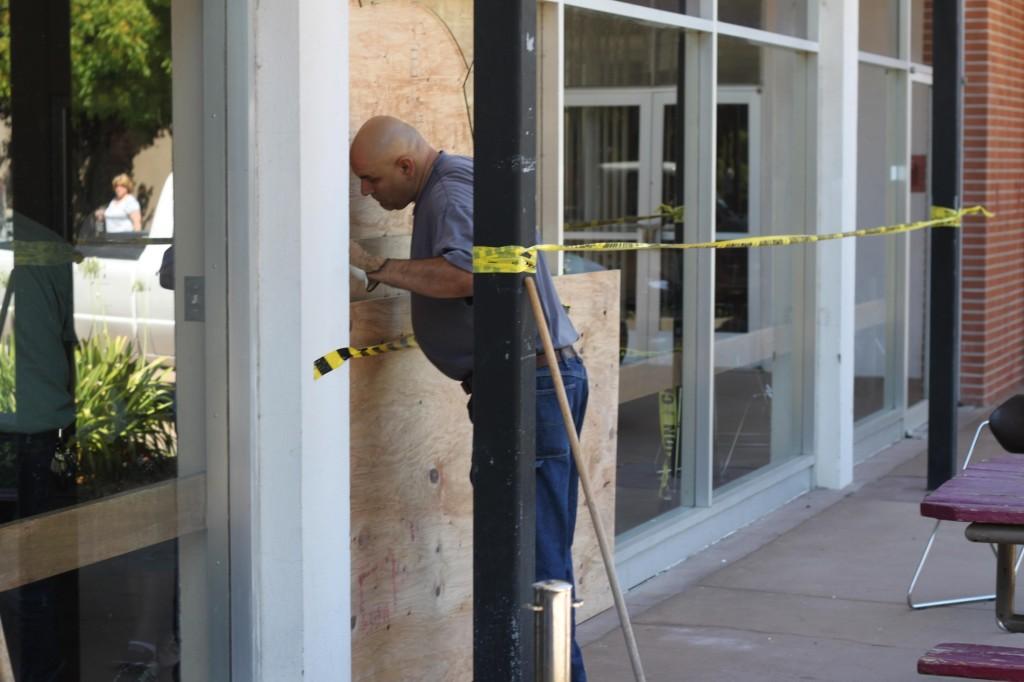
116,286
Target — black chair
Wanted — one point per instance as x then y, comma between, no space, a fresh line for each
1007,426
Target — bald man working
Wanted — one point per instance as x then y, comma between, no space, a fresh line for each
396,166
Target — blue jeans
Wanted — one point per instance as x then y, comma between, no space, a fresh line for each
558,482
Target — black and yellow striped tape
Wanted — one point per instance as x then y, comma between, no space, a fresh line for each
336,358
516,259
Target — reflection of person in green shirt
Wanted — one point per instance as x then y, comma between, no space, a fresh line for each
44,333
42,615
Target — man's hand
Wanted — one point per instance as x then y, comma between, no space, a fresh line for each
359,257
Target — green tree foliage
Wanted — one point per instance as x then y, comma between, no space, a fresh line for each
121,89
121,63
120,86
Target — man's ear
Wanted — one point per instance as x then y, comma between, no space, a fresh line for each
406,165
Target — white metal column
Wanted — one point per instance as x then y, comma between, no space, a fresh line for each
698,395
835,262
288,232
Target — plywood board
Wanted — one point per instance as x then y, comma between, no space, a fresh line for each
593,306
412,501
405,61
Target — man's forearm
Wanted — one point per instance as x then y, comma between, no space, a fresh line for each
433,277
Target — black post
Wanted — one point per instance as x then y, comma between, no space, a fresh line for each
504,353
943,371
45,621
41,94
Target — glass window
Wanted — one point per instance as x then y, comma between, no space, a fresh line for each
920,245
606,51
761,180
624,157
880,27
691,7
88,381
921,31
620,141
789,17
881,173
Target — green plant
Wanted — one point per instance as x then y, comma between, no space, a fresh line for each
124,428
125,412
8,473
7,374
91,268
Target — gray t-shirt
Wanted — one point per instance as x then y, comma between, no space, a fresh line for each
443,226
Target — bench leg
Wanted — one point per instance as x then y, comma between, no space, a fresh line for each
1006,583
939,602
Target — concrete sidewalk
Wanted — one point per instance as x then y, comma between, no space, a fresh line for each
814,591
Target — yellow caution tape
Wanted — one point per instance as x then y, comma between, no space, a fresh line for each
674,214
43,252
668,425
336,358
943,213
504,259
516,259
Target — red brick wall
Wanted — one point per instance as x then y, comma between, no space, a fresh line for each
992,354
926,45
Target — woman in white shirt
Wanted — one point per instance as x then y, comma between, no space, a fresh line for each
123,213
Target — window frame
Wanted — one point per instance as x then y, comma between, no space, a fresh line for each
698,277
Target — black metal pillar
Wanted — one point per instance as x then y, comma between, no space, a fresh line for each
505,357
42,618
944,329
41,94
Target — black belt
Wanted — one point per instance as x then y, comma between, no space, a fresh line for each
563,354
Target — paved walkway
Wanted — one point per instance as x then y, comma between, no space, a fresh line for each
814,591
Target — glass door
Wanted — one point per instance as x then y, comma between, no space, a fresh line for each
103,485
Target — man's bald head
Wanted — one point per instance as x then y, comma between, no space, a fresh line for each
391,159
386,137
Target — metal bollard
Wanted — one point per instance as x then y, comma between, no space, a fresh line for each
553,607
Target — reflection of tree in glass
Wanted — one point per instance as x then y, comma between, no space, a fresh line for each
121,89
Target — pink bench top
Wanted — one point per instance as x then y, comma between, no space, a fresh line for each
974,661
987,492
